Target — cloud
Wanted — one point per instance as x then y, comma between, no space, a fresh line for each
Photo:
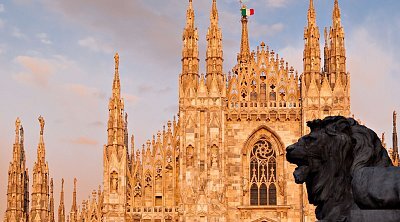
37,71
277,3
374,87
43,38
95,45
84,91
16,32
129,98
293,55
84,141
2,23
96,124
2,9
259,30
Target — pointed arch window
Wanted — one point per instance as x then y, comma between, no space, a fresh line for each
263,174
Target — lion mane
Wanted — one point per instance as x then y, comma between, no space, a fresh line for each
336,151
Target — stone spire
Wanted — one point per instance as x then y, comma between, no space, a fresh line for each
244,55
61,208
337,51
115,156
336,14
116,123
312,52
51,214
190,52
395,155
18,180
214,54
74,208
40,186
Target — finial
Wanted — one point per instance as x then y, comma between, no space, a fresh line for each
394,120
41,121
17,125
116,57
17,129
75,180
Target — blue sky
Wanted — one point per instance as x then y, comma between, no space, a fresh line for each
56,59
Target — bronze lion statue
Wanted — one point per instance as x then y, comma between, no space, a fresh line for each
345,168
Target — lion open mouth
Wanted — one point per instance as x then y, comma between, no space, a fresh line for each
300,174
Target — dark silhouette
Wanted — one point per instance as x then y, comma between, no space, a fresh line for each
347,171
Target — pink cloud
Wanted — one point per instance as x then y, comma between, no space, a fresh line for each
37,71
84,141
82,90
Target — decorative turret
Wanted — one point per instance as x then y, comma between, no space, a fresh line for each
337,51
40,187
190,54
312,52
61,208
74,208
116,156
244,55
51,215
395,154
214,54
18,180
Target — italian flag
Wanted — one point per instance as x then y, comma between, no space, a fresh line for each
247,12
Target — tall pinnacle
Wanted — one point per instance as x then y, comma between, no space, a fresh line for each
61,208
74,207
244,55
312,51
395,142
190,52
311,17
214,54
214,12
51,216
336,14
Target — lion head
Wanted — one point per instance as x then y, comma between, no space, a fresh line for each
326,159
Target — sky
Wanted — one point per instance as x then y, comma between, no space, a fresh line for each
56,59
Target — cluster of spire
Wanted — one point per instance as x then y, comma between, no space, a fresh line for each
334,68
42,197
190,78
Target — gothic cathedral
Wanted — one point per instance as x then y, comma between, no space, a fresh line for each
223,158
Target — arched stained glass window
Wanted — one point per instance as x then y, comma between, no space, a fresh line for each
263,174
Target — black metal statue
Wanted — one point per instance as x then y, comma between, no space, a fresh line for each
348,173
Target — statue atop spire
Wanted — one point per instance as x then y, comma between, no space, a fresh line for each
41,121
116,58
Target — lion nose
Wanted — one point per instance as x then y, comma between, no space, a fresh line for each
289,148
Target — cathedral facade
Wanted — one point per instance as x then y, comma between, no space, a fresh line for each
223,158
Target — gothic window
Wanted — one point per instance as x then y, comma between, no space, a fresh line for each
253,96
272,96
263,174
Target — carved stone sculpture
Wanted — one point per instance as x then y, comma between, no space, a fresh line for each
347,171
